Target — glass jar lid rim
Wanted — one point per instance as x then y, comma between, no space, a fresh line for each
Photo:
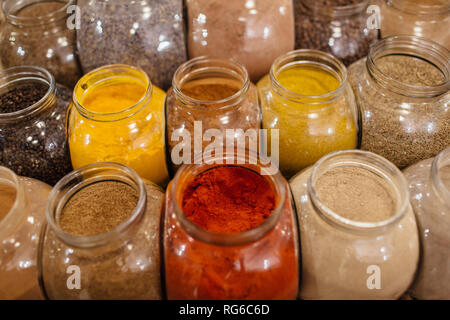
56,15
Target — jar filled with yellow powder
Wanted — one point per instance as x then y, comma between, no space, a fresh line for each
117,115
307,97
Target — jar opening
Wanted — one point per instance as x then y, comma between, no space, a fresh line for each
187,173
383,174
12,199
425,7
440,173
226,80
86,177
411,47
35,12
36,91
130,86
316,59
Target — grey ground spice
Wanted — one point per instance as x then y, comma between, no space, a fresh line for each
98,208
356,194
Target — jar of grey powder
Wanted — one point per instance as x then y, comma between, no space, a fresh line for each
403,91
148,34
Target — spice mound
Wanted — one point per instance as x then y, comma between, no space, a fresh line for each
228,200
7,198
98,208
22,97
356,194
211,89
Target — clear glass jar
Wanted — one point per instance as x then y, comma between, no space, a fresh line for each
252,32
309,126
424,18
123,263
20,226
261,263
133,136
403,122
36,33
340,30
33,139
429,187
239,111
148,34
340,257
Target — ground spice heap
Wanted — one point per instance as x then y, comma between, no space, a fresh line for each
356,194
209,91
22,97
228,200
98,208
7,198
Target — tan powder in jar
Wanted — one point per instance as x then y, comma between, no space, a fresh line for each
211,89
7,198
356,194
98,208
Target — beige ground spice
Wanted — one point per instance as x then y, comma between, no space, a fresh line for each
98,208
356,194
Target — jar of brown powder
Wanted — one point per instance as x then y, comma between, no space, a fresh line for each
102,237
22,213
209,93
359,237
252,32
424,18
429,187
403,91
39,33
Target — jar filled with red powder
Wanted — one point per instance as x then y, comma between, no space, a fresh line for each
230,232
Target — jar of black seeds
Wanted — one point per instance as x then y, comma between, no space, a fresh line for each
403,91
148,34
33,124
339,27
41,33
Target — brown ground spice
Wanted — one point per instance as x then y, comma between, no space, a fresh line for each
209,92
356,194
7,197
98,208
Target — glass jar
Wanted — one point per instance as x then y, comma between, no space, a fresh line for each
189,118
403,120
131,135
123,263
148,34
261,263
252,32
338,29
424,18
21,217
346,259
309,126
429,187
33,138
36,32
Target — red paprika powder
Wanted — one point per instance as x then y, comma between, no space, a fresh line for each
228,199
230,233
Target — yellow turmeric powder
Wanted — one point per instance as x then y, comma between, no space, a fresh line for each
117,120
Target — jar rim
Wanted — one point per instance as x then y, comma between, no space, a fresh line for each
441,160
306,56
416,47
336,11
419,9
48,18
225,64
102,74
10,220
369,161
233,239
55,204
15,75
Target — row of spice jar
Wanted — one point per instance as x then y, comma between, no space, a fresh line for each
395,102
68,40
230,232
